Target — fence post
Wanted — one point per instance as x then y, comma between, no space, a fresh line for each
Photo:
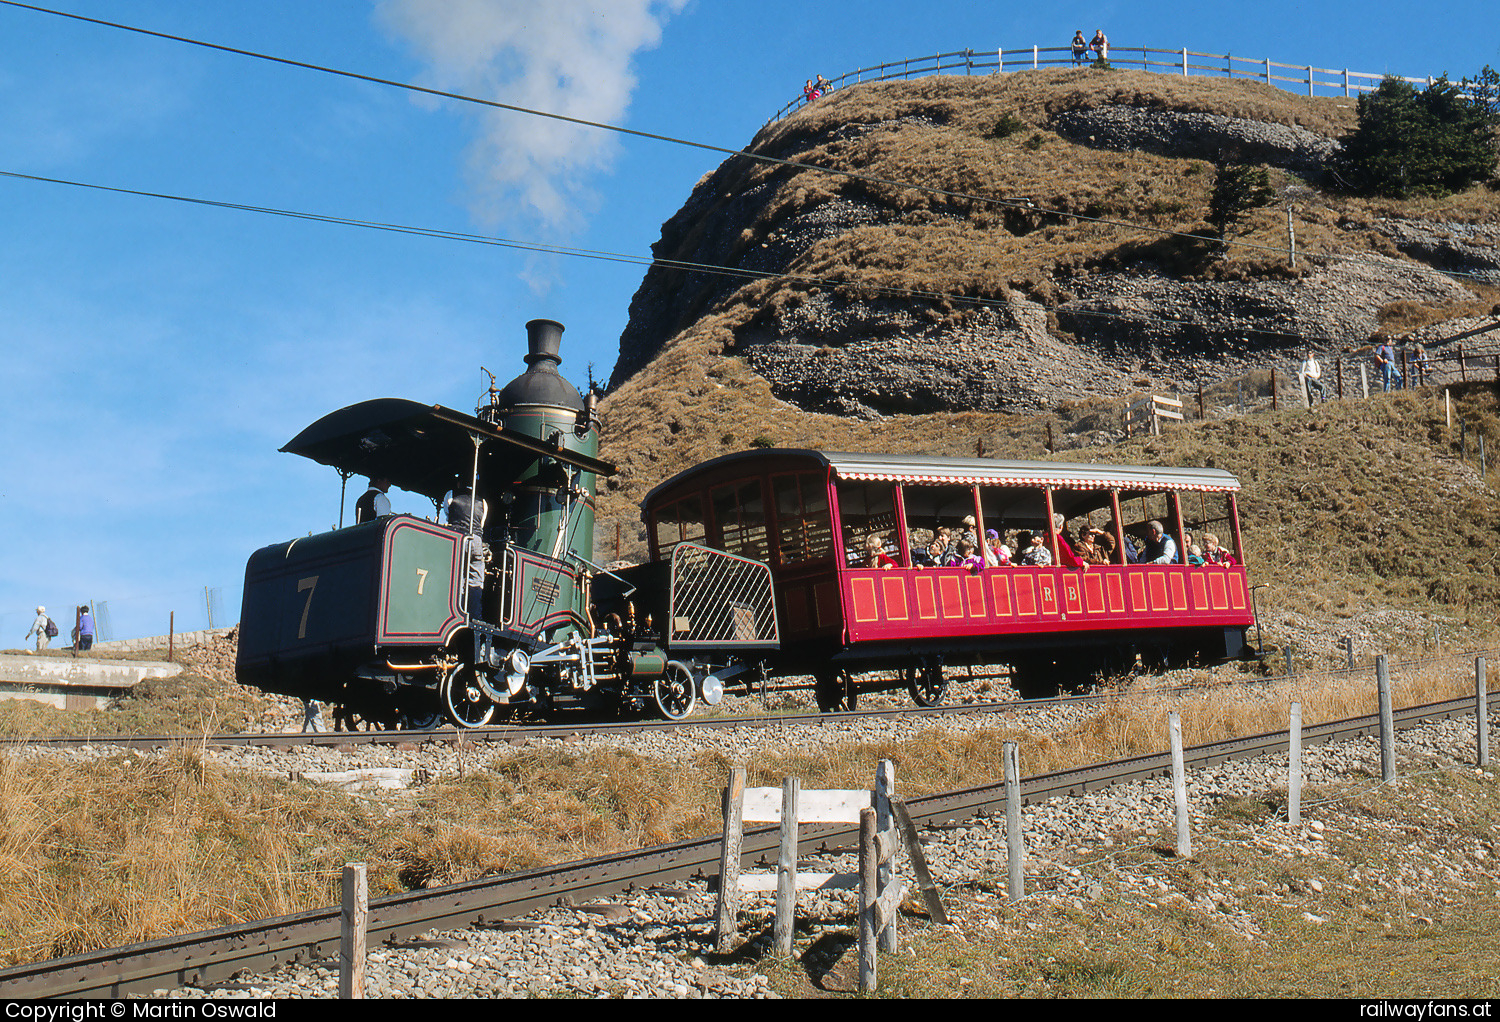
1481,713
1309,80
1338,365
353,923
1200,398
1294,767
1268,70
1273,388
868,892
1034,64
1179,786
1015,848
1346,83
1387,724
1463,364
1184,62
729,859
783,928
885,790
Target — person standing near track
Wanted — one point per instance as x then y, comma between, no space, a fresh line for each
43,628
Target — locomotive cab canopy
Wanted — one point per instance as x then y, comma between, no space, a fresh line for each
417,446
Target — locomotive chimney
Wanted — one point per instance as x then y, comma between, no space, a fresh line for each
543,341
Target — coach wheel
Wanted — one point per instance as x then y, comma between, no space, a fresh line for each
675,693
463,699
927,684
835,691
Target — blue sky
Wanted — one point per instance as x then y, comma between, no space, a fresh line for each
155,354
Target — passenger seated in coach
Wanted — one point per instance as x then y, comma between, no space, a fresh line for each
920,540
1132,556
938,550
1215,554
1195,556
875,555
1160,548
1088,548
1034,552
1065,553
967,558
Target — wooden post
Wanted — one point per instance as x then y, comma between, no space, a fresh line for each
1015,845
1294,767
1200,400
1387,725
1481,714
786,871
1179,787
171,633
1273,388
868,892
729,860
353,923
885,790
1338,365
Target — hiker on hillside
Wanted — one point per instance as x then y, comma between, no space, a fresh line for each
1099,44
1312,378
1080,48
810,92
43,628
1420,367
1385,361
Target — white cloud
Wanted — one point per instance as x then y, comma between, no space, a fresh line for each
571,57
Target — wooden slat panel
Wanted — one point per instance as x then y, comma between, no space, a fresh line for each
763,805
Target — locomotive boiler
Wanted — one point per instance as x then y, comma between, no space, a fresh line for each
496,602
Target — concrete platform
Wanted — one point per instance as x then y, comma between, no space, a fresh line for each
75,684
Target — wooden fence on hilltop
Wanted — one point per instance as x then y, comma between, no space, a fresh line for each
1182,62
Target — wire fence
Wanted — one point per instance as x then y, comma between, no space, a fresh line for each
1182,62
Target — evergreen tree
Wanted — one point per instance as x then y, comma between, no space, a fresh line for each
1431,142
1237,190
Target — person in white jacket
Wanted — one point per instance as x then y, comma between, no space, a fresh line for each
1312,378
39,626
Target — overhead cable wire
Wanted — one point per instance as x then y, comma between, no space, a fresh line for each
686,266
1021,204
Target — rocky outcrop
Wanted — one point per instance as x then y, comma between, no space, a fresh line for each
1210,137
1470,249
1018,344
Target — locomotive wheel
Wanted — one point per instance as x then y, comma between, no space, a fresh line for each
676,695
464,701
927,684
835,691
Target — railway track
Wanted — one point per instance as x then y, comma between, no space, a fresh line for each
215,956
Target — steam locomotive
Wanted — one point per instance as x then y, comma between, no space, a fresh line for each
399,621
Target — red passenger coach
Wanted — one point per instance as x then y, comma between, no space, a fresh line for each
866,581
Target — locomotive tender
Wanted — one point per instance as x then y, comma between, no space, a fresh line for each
382,620
761,563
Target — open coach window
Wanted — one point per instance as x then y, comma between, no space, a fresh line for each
865,510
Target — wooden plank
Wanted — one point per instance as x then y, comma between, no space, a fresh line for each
763,805
354,923
888,905
930,893
729,860
765,883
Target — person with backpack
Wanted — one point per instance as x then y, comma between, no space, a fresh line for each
43,628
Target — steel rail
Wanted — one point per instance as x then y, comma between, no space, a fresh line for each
511,733
215,956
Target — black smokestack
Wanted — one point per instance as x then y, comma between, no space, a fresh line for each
544,341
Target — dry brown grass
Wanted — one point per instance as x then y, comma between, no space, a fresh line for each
128,848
